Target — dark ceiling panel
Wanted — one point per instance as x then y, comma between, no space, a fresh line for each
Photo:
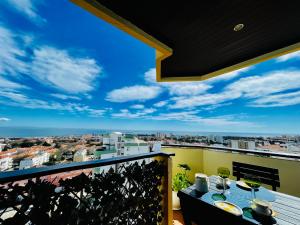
201,32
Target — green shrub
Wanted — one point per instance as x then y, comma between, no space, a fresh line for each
181,179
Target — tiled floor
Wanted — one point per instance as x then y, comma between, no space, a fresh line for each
177,218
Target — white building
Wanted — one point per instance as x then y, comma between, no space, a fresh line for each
49,141
80,156
234,143
293,148
114,139
250,145
241,144
213,138
5,163
38,160
117,145
156,146
219,139
2,146
105,154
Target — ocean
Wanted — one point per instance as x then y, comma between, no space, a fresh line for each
22,132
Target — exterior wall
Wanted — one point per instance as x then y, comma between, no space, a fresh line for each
105,169
80,156
5,163
156,146
234,144
34,161
288,170
207,161
192,157
2,146
25,163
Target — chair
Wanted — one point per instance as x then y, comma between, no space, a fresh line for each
267,175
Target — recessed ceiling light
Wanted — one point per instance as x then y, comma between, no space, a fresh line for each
238,27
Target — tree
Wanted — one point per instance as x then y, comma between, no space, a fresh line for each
5,148
46,144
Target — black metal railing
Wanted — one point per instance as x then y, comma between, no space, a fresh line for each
242,151
129,194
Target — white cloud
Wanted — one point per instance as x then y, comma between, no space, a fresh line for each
11,54
294,55
4,83
150,76
250,88
28,8
272,82
133,93
229,76
65,97
4,119
184,116
187,88
181,116
125,113
59,69
52,67
213,107
191,116
277,100
148,111
137,106
160,104
177,88
203,100
16,99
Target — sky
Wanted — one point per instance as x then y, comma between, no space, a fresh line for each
62,67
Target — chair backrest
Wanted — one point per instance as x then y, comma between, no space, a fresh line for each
267,175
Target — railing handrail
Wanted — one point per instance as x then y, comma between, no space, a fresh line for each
243,151
18,175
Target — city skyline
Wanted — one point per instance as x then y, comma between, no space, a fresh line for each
71,69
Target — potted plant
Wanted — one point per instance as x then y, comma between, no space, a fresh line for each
179,182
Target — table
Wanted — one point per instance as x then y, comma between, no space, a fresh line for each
199,208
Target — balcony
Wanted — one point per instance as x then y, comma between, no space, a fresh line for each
208,159
131,189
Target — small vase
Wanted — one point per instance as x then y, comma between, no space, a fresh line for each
176,201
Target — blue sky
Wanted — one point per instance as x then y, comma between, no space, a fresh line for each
62,67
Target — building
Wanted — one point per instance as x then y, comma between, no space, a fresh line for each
114,139
2,146
160,136
80,156
34,161
6,163
49,141
293,148
217,139
250,145
241,144
117,144
156,146
234,143
103,153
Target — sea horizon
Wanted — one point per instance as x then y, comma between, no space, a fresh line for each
31,132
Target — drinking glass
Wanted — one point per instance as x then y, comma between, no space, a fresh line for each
224,173
253,182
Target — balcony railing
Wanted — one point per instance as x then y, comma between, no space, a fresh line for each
132,190
206,159
242,151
